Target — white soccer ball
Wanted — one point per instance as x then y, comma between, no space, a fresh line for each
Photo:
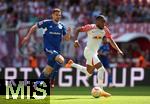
96,92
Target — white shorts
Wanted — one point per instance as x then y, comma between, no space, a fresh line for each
91,57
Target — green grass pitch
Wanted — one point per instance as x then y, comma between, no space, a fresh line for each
83,99
81,95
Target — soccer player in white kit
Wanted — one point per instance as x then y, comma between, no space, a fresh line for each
95,34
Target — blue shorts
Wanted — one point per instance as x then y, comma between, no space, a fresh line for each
105,61
51,55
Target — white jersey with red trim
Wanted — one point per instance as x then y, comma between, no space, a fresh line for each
95,36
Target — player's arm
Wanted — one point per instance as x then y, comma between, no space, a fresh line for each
31,31
115,46
68,34
111,41
76,42
81,29
41,24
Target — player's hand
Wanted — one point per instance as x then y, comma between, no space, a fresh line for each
120,52
67,36
69,30
76,44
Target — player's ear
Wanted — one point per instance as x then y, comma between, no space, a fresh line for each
52,15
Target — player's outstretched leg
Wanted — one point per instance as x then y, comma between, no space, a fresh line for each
83,69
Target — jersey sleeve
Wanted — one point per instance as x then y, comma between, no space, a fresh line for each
42,24
87,27
64,30
107,32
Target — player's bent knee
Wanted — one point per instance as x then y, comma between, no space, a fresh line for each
59,59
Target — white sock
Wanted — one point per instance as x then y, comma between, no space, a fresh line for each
81,68
100,76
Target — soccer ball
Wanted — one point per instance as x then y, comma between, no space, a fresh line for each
96,92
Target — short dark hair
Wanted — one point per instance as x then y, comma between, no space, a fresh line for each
56,10
101,17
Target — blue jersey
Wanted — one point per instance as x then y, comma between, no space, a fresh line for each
104,58
53,34
105,48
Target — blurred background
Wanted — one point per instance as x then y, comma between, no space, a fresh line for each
128,20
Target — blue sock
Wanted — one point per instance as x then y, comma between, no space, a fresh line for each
53,75
109,78
55,72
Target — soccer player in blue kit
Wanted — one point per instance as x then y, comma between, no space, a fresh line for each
54,32
103,52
